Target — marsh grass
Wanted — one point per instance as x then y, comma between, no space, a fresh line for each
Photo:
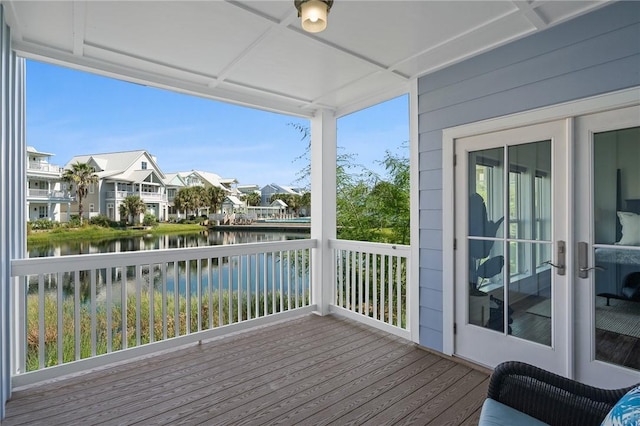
209,318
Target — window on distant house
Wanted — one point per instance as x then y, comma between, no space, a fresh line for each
91,188
144,165
91,208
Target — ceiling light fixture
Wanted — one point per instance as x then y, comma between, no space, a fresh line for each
313,14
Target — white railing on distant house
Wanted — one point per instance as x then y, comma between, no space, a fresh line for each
44,167
80,312
145,196
49,195
117,194
150,195
371,284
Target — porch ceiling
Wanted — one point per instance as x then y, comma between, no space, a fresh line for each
255,53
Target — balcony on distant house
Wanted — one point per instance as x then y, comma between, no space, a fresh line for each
45,195
145,196
41,167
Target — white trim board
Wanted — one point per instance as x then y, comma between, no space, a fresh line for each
566,110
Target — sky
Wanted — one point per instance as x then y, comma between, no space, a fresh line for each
75,113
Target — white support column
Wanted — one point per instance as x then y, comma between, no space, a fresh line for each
13,202
323,206
413,281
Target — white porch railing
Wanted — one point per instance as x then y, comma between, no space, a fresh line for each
145,196
371,284
79,312
44,167
49,195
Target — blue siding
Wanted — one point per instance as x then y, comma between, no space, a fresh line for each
594,54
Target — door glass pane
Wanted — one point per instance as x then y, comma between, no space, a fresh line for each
616,225
529,290
485,237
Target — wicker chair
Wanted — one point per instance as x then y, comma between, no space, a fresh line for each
549,397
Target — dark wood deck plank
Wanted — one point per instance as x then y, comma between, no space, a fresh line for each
319,370
339,395
240,384
288,385
465,407
53,393
404,389
322,387
420,397
208,378
444,400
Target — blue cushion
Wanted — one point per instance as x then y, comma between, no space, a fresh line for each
495,413
626,412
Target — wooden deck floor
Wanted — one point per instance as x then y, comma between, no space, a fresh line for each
311,370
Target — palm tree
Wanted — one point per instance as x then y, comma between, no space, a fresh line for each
214,196
132,205
82,175
189,199
253,198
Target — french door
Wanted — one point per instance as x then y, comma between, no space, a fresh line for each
511,233
607,224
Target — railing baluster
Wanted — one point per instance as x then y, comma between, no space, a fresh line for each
265,285
280,279
303,275
273,282
239,267
76,312
94,337
176,298
398,291
288,280
366,282
152,300
108,307
360,273
187,285
165,313
375,285
354,279
123,307
347,278
138,301
248,279
295,277
199,293
210,288
339,257
230,291
60,305
220,266
390,282
382,287
41,311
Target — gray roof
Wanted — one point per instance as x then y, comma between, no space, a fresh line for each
115,162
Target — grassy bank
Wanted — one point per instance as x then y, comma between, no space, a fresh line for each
228,314
98,233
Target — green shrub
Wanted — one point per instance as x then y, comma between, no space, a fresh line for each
74,222
150,220
100,220
42,224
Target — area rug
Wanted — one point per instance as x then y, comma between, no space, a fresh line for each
542,309
622,317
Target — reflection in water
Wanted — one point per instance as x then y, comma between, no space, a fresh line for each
282,271
158,242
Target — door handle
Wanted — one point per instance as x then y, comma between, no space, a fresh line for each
583,261
560,264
